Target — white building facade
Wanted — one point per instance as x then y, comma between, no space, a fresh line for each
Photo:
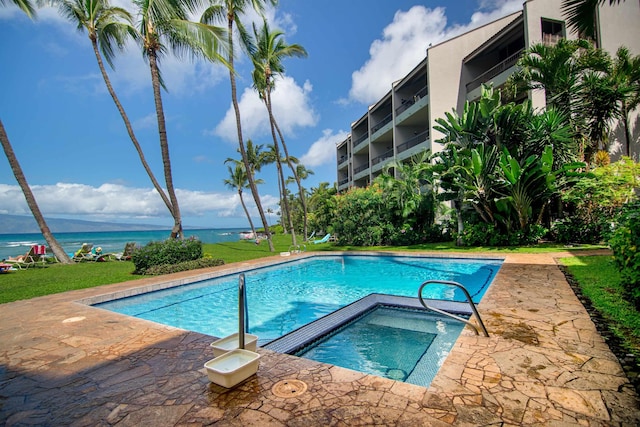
401,123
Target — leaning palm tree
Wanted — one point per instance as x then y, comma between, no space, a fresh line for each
267,54
57,250
109,27
166,21
231,10
238,181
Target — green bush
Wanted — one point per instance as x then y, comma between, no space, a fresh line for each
483,234
171,251
157,270
576,229
625,242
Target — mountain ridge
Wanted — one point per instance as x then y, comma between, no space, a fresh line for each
22,224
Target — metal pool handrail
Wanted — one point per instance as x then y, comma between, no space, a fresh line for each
453,316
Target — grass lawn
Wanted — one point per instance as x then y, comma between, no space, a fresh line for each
599,280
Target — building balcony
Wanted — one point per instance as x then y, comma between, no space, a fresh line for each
382,123
360,142
407,103
494,71
416,140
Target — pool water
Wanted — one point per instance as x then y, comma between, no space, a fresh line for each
287,296
397,343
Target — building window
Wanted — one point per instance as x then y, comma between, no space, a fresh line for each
552,31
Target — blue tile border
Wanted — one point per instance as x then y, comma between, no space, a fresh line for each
301,337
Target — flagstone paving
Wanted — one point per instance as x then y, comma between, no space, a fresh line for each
65,363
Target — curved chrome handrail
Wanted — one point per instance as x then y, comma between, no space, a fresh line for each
453,316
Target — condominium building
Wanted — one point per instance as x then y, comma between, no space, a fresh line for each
401,123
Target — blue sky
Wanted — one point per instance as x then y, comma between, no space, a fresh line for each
77,156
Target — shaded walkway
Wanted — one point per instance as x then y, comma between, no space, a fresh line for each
64,363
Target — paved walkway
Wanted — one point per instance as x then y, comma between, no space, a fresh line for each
64,363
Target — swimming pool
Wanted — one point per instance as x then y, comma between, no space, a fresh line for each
285,297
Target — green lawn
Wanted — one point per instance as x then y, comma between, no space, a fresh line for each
600,282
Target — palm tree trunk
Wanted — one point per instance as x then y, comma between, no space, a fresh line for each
246,212
243,151
176,231
127,124
295,176
57,250
279,166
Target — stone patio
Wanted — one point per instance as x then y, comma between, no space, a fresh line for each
65,363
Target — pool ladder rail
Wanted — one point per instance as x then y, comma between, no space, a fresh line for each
451,315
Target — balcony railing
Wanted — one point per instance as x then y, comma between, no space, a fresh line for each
382,157
406,103
361,168
343,181
418,139
359,140
494,71
383,122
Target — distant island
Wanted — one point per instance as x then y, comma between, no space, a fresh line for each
19,224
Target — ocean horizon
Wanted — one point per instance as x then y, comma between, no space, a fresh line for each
12,245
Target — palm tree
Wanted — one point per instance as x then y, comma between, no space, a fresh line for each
59,253
581,15
231,10
167,20
107,25
267,55
238,181
273,156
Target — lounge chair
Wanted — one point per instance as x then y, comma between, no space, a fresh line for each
35,257
325,239
126,253
84,253
310,236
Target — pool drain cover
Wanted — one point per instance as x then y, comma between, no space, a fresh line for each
289,388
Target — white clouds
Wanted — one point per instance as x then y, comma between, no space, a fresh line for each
404,43
110,201
324,149
291,107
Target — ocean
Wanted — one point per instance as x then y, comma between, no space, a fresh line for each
110,241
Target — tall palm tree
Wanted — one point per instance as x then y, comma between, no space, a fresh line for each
167,21
267,54
581,15
273,156
238,181
27,7
107,26
59,253
232,10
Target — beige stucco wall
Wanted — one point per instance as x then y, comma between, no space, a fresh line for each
444,72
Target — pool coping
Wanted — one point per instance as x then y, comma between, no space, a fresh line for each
295,340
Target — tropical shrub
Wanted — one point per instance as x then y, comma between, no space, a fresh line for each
183,266
625,242
170,251
484,234
592,203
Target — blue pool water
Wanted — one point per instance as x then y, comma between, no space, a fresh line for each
397,343
287,296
